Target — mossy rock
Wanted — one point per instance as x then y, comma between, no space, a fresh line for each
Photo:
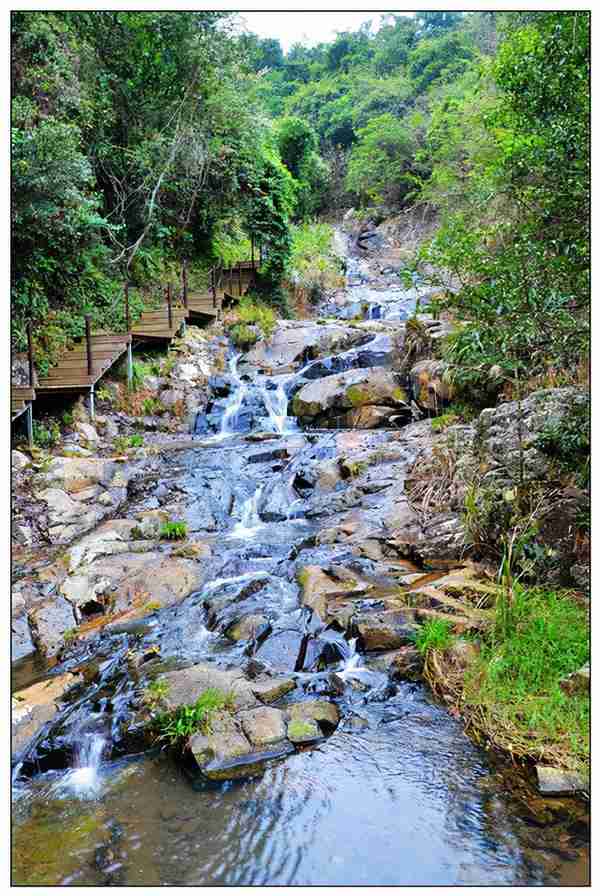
300,731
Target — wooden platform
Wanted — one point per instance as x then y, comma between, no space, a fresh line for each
71,372
201,304
154,325
20,399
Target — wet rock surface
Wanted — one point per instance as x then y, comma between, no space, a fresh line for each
295,592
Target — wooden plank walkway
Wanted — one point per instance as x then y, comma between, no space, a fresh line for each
73,374
80,368
202,304
156,325
20,399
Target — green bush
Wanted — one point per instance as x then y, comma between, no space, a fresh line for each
243,336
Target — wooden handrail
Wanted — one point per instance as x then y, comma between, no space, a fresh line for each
169,306
184,283
30,352
88,340
127,314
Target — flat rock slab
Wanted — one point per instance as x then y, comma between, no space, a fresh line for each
187,685
49,621
21,641
323,712
385,631
36,705
263,726
283,651
558,782
270,689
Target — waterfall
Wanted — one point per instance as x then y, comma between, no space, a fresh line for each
249,518
83,780
230,416
276,403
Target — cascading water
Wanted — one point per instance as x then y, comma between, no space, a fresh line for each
398,771
229,420
250,520
276,403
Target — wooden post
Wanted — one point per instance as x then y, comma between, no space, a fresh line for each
30,353
240,278
127,315
129,366
30,425
88,342
252,250
169,306
185,283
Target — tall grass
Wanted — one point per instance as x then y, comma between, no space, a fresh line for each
516,681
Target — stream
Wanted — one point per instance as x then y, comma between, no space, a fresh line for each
397,795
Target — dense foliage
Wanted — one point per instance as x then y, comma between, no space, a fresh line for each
137,141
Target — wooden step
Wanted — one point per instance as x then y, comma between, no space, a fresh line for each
22,393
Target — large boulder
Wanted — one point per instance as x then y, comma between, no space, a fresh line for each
335,395
49,620
300,341
430,390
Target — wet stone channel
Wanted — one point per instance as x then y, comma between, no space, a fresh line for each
387,790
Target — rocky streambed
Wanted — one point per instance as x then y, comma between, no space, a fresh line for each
303,574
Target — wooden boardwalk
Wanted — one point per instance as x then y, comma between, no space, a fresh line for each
80,368
77,370
20,399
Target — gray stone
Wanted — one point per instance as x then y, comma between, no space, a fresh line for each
386,630
49,620
559,782
323,712
263,726
21,641
577,682
19,461
36,705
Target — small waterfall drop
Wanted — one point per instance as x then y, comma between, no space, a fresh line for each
229,420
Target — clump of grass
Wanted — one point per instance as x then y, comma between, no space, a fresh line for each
173,530
177,726
243,336
514,685
122,443
434,634
156,691
151,406
314,267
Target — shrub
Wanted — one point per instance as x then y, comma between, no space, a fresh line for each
243,336
46,436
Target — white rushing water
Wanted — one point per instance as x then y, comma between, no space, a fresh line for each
84,781
228,423
250,520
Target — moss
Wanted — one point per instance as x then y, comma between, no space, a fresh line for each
358,395
400,395
302,577
299,730
50,844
